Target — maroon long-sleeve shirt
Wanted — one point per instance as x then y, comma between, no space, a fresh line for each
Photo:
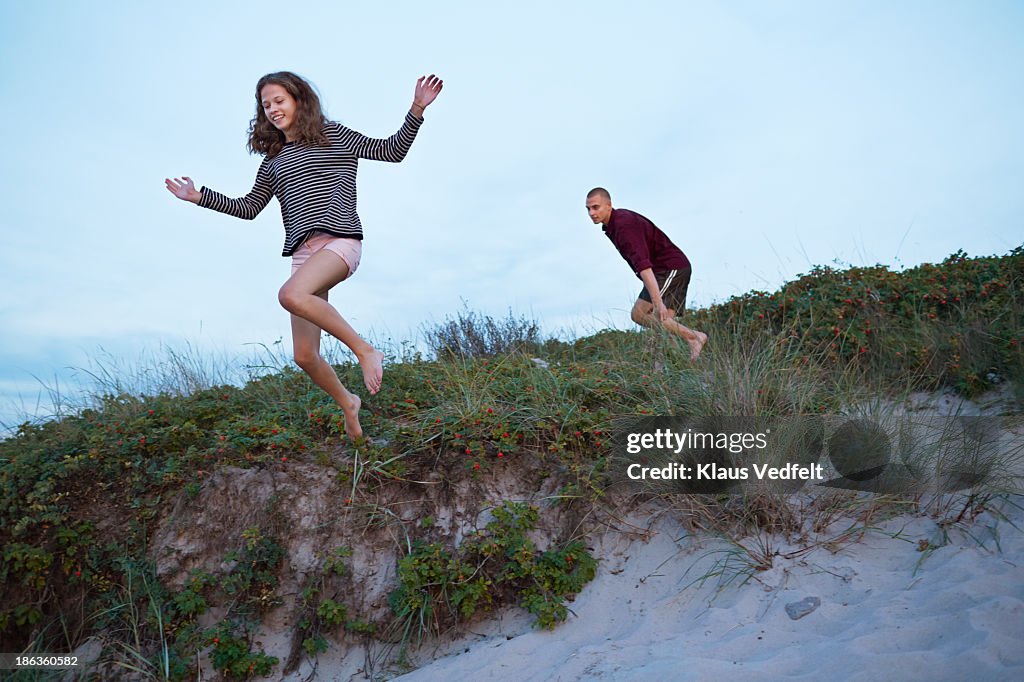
642,244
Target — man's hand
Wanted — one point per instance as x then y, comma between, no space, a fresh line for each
427,90
660,312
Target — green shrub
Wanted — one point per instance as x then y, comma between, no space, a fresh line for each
437,587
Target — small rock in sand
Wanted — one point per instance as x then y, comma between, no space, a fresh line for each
799,609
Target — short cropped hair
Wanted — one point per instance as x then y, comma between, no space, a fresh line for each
599,191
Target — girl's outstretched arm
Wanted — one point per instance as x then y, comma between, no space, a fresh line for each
184,189
247,207
395,148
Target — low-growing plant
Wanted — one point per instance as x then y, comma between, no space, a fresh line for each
232,652
438,587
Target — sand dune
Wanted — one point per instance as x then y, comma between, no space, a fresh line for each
888,611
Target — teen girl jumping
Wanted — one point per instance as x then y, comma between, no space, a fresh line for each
310,165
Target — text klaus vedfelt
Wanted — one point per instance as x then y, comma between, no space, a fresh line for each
666,439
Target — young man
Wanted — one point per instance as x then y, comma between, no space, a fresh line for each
663,268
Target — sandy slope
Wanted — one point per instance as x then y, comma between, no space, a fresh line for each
888,612
904,601
890,608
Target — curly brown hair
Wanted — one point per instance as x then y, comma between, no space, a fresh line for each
265,139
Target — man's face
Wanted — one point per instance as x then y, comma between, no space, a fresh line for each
599,208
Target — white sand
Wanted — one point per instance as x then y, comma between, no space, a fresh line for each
959,616
888,610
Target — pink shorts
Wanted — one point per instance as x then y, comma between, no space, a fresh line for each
350,250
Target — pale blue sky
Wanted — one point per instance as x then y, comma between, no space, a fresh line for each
762,137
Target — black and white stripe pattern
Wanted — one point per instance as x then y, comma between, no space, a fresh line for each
316,185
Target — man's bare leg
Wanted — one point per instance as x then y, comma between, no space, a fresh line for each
643,314
298,296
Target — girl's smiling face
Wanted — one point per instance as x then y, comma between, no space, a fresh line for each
279,107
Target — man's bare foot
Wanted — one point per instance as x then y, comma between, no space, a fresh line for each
352,428
373,370
697,345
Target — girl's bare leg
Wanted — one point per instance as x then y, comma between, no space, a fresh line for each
299,296
306,343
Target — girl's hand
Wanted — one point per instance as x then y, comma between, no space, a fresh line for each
427,89
183,189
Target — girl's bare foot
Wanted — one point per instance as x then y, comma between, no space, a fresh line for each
698,345
352,428
373,370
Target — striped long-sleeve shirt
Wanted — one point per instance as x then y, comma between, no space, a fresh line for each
316,185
